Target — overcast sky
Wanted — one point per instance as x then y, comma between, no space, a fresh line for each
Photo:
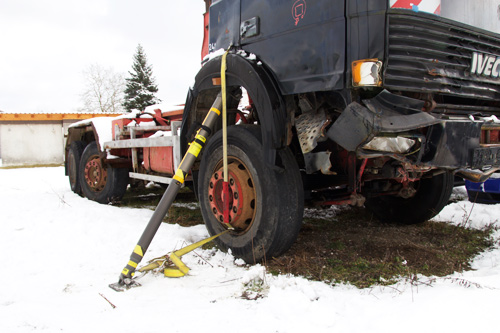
45,45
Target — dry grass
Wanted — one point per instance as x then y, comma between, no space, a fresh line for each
357,249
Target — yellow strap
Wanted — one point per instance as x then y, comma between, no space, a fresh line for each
153,265
224,116
178,262
175,257
191,247
172,273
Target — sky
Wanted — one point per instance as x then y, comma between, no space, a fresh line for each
46,45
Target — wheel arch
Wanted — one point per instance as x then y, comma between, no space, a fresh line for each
261,86
85,133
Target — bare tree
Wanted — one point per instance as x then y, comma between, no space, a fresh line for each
103,90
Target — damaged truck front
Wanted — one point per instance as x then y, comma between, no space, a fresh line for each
372,105
329,102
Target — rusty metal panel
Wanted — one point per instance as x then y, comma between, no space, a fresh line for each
159,159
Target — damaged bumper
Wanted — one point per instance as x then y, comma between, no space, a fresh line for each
395,126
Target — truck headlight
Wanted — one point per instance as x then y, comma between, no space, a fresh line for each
398,145
366,73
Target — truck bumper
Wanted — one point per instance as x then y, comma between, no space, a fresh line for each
451,143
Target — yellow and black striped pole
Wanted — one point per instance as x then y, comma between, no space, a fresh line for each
125,281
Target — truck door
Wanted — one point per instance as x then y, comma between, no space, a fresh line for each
301,41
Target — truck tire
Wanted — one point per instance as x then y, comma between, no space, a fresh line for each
267,202
292,195
431,197
291,202
101,183
75,152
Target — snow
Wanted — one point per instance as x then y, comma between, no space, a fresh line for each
220,52
104,128
458,214
492,119
213,55
60,252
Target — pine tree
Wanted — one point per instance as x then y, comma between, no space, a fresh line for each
141,86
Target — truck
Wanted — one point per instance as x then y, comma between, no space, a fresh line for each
375,104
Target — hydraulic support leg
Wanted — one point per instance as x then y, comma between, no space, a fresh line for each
125,281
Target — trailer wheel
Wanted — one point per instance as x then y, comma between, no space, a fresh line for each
73,164
431,197
99,182
265,207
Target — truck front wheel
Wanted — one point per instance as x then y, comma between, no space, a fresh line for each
100,182
432,194
266,202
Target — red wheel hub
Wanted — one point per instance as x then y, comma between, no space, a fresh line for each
241,195
95,174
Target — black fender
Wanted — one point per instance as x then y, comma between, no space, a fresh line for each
261,87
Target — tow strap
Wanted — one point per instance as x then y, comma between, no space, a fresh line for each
172,264
174,267
225,184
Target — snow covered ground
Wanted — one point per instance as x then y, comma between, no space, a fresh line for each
60,252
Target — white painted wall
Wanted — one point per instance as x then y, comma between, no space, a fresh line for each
484,14
31,143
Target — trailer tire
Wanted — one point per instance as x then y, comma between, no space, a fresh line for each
431,197
99,182
75,152
266,208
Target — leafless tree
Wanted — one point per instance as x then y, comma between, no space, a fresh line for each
103,90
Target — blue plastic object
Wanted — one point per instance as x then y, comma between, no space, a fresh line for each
486,193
